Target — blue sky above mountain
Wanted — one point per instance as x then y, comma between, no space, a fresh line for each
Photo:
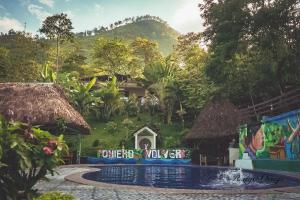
183,15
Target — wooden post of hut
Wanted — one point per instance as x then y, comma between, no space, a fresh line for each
79,149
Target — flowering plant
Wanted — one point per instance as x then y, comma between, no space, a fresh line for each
27,154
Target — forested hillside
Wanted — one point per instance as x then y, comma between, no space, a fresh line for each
150,29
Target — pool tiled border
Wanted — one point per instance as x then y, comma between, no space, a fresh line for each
77,178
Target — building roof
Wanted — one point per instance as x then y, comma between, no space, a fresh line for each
217,119
39,104
145,128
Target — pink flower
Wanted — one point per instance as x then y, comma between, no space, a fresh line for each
48,151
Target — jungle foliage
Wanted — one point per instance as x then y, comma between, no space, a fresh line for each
27,154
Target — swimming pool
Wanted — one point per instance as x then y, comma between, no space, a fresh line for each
189,177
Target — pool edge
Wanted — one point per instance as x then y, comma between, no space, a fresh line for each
77,178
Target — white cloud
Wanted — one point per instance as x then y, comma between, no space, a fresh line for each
187,18
9,23
49,3
38,11
67,0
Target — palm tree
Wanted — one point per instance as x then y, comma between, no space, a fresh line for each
159,81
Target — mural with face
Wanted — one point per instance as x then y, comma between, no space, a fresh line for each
257,142
277,137
254,140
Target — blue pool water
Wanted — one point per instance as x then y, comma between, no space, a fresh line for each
94,160
189,177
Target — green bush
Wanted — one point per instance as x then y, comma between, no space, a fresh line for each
170,142
96,143
131,106
111,127
55,196
27,154
92,151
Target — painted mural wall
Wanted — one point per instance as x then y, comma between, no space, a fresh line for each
273,138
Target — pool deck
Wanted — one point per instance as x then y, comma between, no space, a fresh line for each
70,181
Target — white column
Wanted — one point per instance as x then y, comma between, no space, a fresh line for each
154,141
135,143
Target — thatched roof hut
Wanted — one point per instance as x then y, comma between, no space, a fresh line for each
39,104
215,127
217,119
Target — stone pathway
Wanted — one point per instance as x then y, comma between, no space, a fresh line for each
86,192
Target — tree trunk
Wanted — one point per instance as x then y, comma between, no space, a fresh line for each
57,55
252,101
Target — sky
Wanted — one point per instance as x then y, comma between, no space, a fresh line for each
182,15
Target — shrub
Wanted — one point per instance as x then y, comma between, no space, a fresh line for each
96,143
27,154
92,151
131,106
111,127
170,142
127,123
55,196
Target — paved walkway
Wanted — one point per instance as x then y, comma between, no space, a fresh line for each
86,192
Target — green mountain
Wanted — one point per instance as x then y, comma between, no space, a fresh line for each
153,30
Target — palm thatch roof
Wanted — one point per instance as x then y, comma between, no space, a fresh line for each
218,119
39,104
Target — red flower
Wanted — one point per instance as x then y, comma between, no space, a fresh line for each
52,144
48,151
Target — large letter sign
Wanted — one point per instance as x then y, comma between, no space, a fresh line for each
147,154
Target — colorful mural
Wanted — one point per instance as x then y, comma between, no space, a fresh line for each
273,138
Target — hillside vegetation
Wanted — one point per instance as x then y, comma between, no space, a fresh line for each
152,30
111,135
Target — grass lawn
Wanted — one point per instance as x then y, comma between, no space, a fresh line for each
169,136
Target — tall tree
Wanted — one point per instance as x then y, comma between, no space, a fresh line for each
159,81
185,42
146,50
4,63
74,59
195,88
23,56
113,55
255,43
57,27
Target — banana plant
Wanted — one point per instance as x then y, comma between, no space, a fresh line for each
48,75
82,98
110,99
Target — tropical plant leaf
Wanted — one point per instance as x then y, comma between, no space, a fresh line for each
13,145
90,84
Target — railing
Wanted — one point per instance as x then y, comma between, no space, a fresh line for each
283,103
